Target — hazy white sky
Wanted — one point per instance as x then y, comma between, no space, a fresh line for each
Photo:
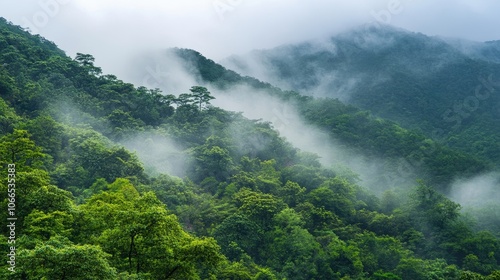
113,30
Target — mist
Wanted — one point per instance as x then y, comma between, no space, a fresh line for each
375,174
173,76
158,153
341,66
113,33
162,70
476,191
479,198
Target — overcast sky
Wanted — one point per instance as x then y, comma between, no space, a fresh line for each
112,31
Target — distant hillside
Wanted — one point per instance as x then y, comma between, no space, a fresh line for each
356,129
445,88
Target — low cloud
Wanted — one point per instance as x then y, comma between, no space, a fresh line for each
218,28
284,117
158,153
476,191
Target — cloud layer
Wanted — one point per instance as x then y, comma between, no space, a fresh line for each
112,31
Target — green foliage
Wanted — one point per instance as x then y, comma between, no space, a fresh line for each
17,148
250,206
141,236
8,117
412,268
259,207
91,156
201,96
60,259
238,235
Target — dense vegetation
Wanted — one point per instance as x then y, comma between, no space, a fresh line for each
250,205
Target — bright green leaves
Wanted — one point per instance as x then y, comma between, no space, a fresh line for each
58,258
8,117
291,193
336,195
92,156
418,269
211,160
293,248
17,148
43,226
143,237
259,207
116,230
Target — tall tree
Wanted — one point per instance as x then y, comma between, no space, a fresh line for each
201,95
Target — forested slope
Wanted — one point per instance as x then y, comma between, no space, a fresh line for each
250,205
356,129
448,89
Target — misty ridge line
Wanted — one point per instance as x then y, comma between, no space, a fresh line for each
283,119
286,121
357,207
455,114
257,105
169,70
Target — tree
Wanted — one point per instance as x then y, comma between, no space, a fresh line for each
336,195
8,117
184,99
17,148
142,237
87,62
434,207
48,134
43,226
58,258
291,193
238,235
293,250
259,207
212,160
201,95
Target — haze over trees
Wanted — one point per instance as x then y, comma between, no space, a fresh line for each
249,204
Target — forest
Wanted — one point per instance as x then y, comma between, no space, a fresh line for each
243,202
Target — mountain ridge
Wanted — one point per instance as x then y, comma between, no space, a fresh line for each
413,79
